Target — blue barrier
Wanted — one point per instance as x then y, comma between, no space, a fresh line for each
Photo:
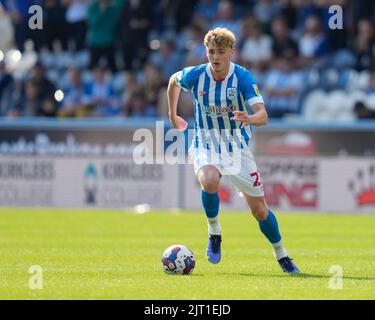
134,123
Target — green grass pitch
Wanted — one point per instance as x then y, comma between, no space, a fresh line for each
107,254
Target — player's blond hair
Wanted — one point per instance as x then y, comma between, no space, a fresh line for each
220,37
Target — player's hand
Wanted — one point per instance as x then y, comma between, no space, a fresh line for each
241,116
179,123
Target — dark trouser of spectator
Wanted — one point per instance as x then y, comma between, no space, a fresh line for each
77,32
55,31
183,12
22,33
6,99
37,36
108,53
135,54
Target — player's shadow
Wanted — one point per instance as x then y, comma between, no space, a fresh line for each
194,274
303,276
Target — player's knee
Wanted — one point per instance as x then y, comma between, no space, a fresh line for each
209,182
260,212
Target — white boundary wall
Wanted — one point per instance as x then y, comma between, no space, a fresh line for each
291,183
82,182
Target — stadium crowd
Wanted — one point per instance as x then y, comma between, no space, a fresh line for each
113,58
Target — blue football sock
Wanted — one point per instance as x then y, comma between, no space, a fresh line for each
210,203
270,228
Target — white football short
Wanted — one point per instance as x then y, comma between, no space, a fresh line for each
239,167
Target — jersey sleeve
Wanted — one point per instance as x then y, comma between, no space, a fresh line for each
250,89
185,78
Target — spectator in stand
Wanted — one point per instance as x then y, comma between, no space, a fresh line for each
158,17
136,19
371,85
337,38
313,44
206,11
103,18
180,13
225,18
196,51
76,102
282,42
303,10
7,31
153,83
45,90
167,58
136,106
257,48
364,46
54,25
102,95
19,12
288,10
362,111
6,89
76,16
244,34
46,87
185,103
48,108
283,87
30,103
180,36
132,88
143,100
362,9
265,11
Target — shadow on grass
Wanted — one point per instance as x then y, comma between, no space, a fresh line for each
193,274
299,275
196,274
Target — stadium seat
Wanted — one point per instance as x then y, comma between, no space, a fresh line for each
355,96
336,101
87,76
345,116
312,79
370,101
63,80
47,59
64,61
82,59
53,75
118,82
352,80
364,79
313,105
342,58
330,79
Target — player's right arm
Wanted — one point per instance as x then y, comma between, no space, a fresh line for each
173,93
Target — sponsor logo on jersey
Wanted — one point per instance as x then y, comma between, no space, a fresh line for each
256,90
219,109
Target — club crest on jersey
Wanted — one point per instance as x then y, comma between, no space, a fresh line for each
231,93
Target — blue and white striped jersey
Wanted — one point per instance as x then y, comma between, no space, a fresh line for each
214,103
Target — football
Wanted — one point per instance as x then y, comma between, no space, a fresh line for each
178,259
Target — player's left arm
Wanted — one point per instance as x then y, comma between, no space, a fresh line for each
258,118
253,98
